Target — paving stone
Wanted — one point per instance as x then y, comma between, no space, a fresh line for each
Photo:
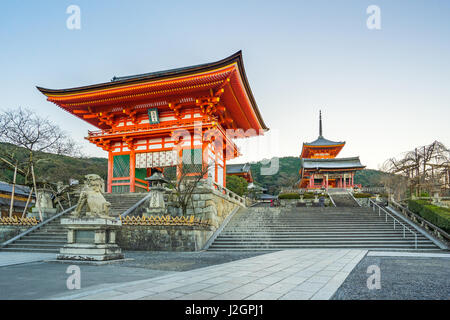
223,287
309,286
103,296
264,295
131,296
167,295
319,279
191,288
297,295
198,295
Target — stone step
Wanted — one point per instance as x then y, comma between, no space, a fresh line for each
41,241
318,241
256,237
385,246
45,237
30,250
380,248
306,228
262,229
36,245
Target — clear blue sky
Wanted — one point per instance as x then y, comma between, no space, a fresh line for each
382,91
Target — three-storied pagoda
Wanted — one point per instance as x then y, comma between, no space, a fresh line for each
321,169
151,121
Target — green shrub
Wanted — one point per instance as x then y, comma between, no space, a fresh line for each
436,215
308,195
362,195
289,196
237,184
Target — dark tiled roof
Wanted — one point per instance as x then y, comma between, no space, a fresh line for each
17,203
321,141
18,190
336,163
238,168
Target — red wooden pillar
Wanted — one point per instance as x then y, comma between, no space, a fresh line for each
353,183
311,180
110,172
224,170
132,170
345,181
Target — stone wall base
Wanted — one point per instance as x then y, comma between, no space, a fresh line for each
8,232
163,238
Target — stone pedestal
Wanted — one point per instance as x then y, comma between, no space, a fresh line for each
46,213
90,239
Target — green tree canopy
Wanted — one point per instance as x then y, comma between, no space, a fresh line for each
237,184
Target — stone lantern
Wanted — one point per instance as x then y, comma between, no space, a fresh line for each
44,202
157,188
436,199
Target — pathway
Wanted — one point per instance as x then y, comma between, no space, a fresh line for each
13,258
290,274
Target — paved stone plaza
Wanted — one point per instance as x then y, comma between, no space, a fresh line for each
290,274
296,274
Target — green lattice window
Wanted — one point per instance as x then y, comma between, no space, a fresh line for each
192,160
120,189
170,173
121,166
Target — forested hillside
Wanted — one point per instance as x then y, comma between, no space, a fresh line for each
52,168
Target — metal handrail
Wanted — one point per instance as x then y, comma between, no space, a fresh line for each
331,199
354,199
395,220
409,213
133,207
43,223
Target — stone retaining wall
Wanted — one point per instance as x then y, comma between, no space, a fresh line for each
8,232
207,204
163,238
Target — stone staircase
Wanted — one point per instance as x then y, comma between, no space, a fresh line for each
52,236
342,198
260,228
120,202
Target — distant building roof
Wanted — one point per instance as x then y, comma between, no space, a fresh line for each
238,168
321,141
255,187
336,163
265,196
18,190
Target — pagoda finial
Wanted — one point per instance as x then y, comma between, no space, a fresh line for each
320,123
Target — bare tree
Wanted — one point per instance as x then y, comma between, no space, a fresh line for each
24,128
426,168
186,183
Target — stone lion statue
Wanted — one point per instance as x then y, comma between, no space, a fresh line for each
92,197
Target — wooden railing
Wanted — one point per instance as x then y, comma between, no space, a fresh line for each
18,221
167,220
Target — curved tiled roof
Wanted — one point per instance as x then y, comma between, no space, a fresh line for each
238,168
321,141
336,163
